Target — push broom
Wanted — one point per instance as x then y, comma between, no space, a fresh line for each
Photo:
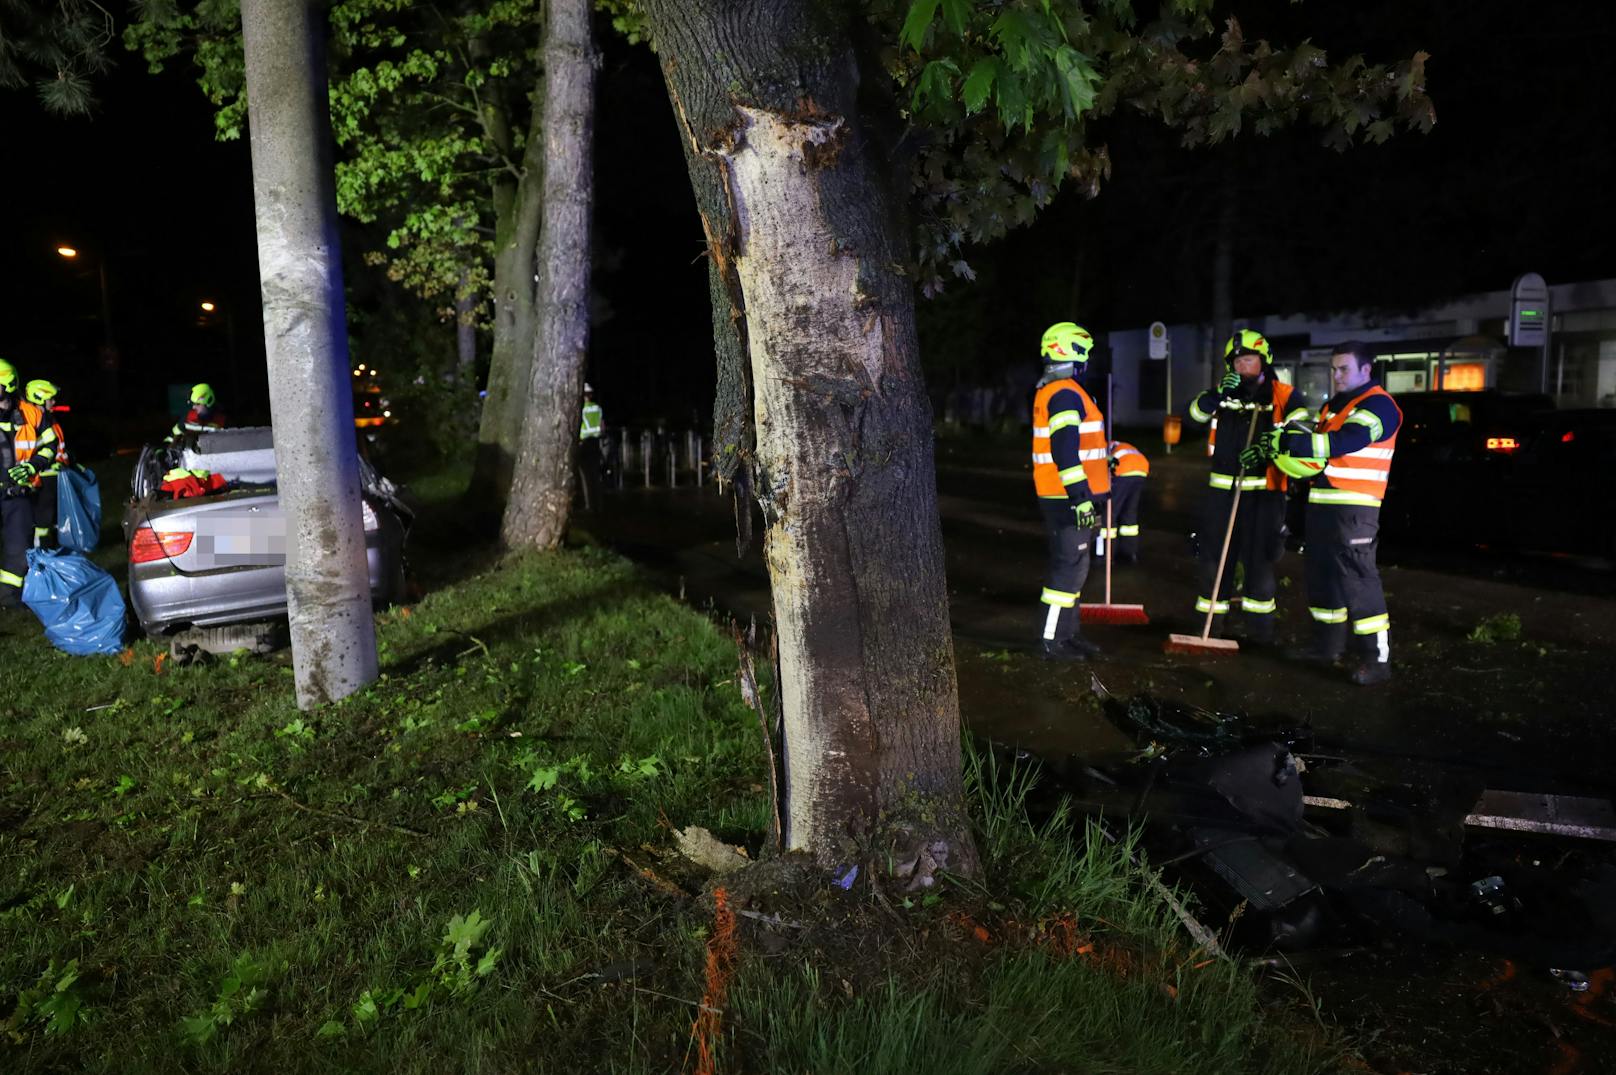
1107,612
1204,643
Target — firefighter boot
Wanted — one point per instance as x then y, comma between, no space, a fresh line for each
1329,640
1373,665
1066,645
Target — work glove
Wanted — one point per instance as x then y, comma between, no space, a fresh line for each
22,473
1230,382
1086,517
1261,453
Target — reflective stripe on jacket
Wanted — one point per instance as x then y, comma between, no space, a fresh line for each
1275,478
1058,478
1357,478
1131,462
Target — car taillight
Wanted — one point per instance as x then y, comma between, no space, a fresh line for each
371,522
1502,444
152,544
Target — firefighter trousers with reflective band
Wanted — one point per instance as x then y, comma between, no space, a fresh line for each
17,537
1344,595
45,511
1069,553
1125,494
1258,542
589,472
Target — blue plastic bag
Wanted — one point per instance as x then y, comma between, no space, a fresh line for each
78,603
78,510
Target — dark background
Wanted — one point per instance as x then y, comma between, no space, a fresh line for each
1514,178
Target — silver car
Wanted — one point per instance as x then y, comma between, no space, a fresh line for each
211,562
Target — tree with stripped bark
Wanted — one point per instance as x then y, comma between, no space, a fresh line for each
840,153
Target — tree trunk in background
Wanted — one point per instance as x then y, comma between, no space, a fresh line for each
1223,272
518,207
541,488
465,334
310,391
807,248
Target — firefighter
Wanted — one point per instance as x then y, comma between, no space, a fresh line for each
20,446
1249,392
1072,480
1350,450
38,409
202,416
1129,469
589,431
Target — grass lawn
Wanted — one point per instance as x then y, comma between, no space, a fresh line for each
467,867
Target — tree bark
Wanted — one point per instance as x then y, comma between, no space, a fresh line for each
518,207
541,487
310,396
807,247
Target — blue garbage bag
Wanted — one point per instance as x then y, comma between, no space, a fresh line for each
78,509
78,603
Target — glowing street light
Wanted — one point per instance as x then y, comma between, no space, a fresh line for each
208,307
67,252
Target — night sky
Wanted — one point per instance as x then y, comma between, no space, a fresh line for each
1515,177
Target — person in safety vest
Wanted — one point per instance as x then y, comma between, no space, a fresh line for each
38,409
24,449
1347,455
589,430
1249,392
202,416
1129,469
1072,479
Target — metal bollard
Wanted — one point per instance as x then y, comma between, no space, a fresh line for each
673,465
698,462
622,458
647,442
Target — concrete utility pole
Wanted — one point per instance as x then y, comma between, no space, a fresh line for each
306,341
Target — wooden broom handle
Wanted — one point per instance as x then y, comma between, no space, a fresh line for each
1228,532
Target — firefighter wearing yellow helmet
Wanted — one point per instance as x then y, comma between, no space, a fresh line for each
1249,393
203,415
1072,478
39,411
28,444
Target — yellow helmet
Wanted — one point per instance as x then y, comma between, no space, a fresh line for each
1248,341
39,392
8,376
202,395
1066,341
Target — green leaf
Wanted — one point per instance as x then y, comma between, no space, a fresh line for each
1078,79
331,1028
979,84
917,22
956,13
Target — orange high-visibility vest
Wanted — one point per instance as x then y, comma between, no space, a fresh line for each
1046,476
26,439
1282,396
1131,462
1357,478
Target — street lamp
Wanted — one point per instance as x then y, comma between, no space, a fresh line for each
208,307
71,253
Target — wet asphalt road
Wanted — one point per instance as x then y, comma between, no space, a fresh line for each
1530,714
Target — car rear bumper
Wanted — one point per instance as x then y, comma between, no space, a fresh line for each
165,601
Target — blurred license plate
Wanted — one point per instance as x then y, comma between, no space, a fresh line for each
244,538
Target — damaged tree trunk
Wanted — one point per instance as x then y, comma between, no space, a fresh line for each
541,486
807,248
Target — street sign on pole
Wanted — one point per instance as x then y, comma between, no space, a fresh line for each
1158,340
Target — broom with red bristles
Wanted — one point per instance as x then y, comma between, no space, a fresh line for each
1204,644
1106,612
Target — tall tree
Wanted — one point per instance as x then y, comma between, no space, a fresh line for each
541,491
310,400
804,161
436,108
